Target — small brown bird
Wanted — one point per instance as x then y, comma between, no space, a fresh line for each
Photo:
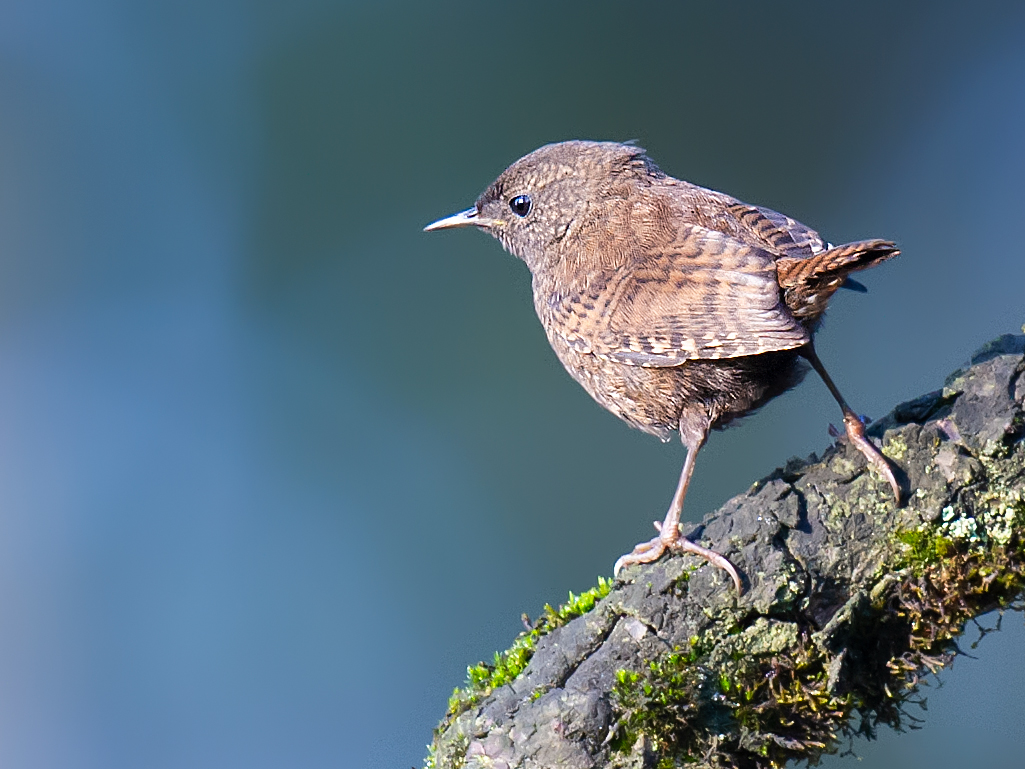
678,308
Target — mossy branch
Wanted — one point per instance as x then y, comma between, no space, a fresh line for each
848,601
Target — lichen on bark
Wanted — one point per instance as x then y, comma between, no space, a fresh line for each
848,601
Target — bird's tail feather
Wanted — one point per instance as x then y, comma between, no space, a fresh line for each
809,282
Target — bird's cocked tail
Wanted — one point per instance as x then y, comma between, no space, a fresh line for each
808,282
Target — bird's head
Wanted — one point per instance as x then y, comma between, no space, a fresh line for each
553,192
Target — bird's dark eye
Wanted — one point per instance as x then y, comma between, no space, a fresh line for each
520,205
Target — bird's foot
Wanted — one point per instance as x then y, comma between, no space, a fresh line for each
856,433
652,550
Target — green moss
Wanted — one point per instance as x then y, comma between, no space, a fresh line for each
484,677
896,447
924,546
990,522
716,696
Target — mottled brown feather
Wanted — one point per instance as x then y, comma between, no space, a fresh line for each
704,295
777,232
809,282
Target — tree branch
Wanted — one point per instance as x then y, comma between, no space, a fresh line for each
848,601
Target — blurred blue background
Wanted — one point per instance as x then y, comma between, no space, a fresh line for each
275,466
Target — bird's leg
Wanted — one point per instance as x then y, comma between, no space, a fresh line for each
854,426
669,537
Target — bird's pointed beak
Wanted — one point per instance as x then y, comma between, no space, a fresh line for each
467,218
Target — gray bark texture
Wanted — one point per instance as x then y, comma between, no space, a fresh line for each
848,599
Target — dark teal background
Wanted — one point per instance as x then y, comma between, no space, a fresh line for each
275,466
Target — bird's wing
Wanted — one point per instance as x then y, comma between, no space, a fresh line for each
779,233
706,296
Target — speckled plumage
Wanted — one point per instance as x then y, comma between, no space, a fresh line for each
676,307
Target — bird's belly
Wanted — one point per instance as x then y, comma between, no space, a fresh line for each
652,399
646,398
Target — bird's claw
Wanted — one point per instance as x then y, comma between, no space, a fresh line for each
645,552
652,550
856,433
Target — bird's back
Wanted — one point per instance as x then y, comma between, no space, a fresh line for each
809,270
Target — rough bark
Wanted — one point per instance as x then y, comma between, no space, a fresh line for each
848,598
